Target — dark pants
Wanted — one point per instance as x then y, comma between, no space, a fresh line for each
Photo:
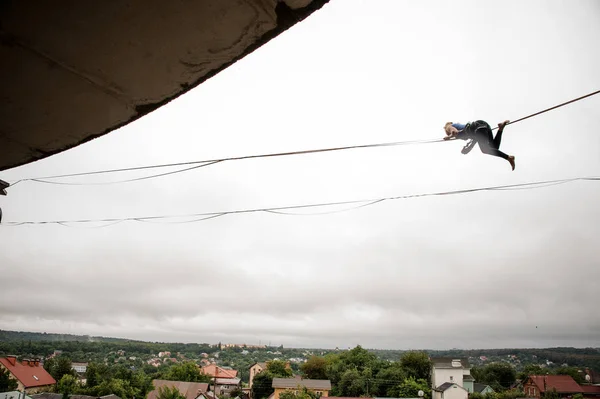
488,144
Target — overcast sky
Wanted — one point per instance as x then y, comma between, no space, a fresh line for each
490,269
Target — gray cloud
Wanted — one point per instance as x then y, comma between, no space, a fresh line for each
490,269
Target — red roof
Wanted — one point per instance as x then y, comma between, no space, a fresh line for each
218,372
590,388
562,383
29,372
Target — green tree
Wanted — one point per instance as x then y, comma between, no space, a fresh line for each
57,368
410,388
382,385
116,386
301,393
169,393
237,392
67,385
278,368
262,385
572,371
187,371
531,369
551,394
352,383
142,383
64,367
6,382
499,376
511,394
417,365
351,371
359,358
263,381
92,377
315,368
96,373
49,365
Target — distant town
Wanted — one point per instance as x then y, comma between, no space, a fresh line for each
56,366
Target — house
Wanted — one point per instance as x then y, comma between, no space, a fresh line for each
49,395
224,386
30,375
206,395
214,371
469,383
535,386
320,387
14,395
258,367
482,388
255,369
191,390
449,390
452,370
79,367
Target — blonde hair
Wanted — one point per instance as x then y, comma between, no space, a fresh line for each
446,127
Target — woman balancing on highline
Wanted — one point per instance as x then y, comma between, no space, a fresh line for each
479,132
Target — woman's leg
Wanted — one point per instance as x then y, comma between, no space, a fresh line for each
488,148
489,145
497,139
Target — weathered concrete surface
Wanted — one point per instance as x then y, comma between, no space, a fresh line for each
73,70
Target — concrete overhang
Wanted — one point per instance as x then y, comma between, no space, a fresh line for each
74,70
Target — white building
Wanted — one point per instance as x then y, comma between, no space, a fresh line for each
451,378
224,386
79,367
449,390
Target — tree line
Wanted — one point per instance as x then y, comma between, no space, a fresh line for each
81,350
502,376
125,382
357,372
85,348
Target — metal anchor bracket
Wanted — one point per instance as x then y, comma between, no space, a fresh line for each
3,186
